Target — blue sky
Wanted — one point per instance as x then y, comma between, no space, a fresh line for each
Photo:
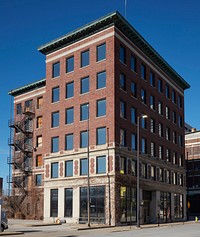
171,27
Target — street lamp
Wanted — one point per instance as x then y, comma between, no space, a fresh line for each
138,168
88,173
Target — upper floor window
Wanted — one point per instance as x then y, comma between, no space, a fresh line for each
152,79
143,71
133,115
68,168
152,125
83,166
101,52
28,105
133,141
180,121
152,102
55,94
167,91
143,96
84,113
69,116
122,55
39,102
38,162
70,64
101,136
101,80
122,137
19,108
179,102
85,85
143,122
153,149
160,87
69,90
55,119
167,113
54,170
38,179
56,69
174,116
101,165
84,139
39,141
101,107
160,129
39,122
133,63
160,107
85,58
133,89
122,109
144,144
123,165
122,81
173,96
69,141
54,144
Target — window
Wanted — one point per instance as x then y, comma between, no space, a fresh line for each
69,90
101,107
174,157
28,105
167,132
69,115
85,85
143,96
101,52
174,137
179,102
122,81
54,203
38,161
133,89
152,79
153,172
133,63
38,180
19,108
180,121
84,139
122,54
101,136
54,170
69,141
56,69
122,137
152,102
55,119
160,129
133,167
39,141
84,112
69,168
123,165
55,94
174,117
160,87
167,113
152,125
101,165
84,166
70,64
143,123
39,122
54,144
101,80
143,71
160,109
133,115
161,175
85,58
122,109
173,96
168,158
180,140
143,171
167,91
39,102
68,202
133,141
143,145
160,152
153,149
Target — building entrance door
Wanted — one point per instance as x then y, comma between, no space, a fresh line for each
146,212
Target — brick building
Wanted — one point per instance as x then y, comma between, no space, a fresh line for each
100,79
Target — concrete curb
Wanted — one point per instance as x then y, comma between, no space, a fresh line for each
11,233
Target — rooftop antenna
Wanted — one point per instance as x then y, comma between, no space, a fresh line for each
125,8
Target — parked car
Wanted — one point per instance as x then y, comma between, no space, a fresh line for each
4,221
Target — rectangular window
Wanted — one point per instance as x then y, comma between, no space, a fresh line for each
54,170
143,72
70,64
143,171
69,168
101,136
55,119
101,52
168,158
153,149
180,121
39,102
122,137
84,113
68,202
19,108
160,109
144,145
173,96
179,102
143,96
39,141
160,86
101,165
160,152
54,144
101,107
133,63
69,113
167,91
167,132
54,203
180,140
133,115
122,109
84,139
122,81
160,129
39,122
133,141
69,141
101,80
174,137
152,79
83,166
69,90
38,161
143,123
133,167
174,117
56,69
38,180
152,102
152,125
55,94
85,58
85,85
167,113
153,172
28,106
122,54
123,165
133,89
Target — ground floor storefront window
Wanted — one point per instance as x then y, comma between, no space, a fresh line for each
165,207
97,204
128,204
68,202
54,203
178,206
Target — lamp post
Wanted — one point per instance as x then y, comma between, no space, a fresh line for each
88,173
138,168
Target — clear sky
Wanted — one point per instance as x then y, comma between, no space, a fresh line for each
172,28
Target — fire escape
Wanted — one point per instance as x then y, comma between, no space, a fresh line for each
21,142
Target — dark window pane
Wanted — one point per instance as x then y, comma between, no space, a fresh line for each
122,81
133,89
70,64
101,52
85,85
68,202
122,54
38,180
55,94
69,116
84,166
54,203
143,71
19,108
84,112
133,63
55,144
70,90
101,80
101,136
55,119
54,170
56,69
69,142
84,139
101,165
101,108
85,58
69,168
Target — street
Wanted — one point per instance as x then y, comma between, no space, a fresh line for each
21,228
